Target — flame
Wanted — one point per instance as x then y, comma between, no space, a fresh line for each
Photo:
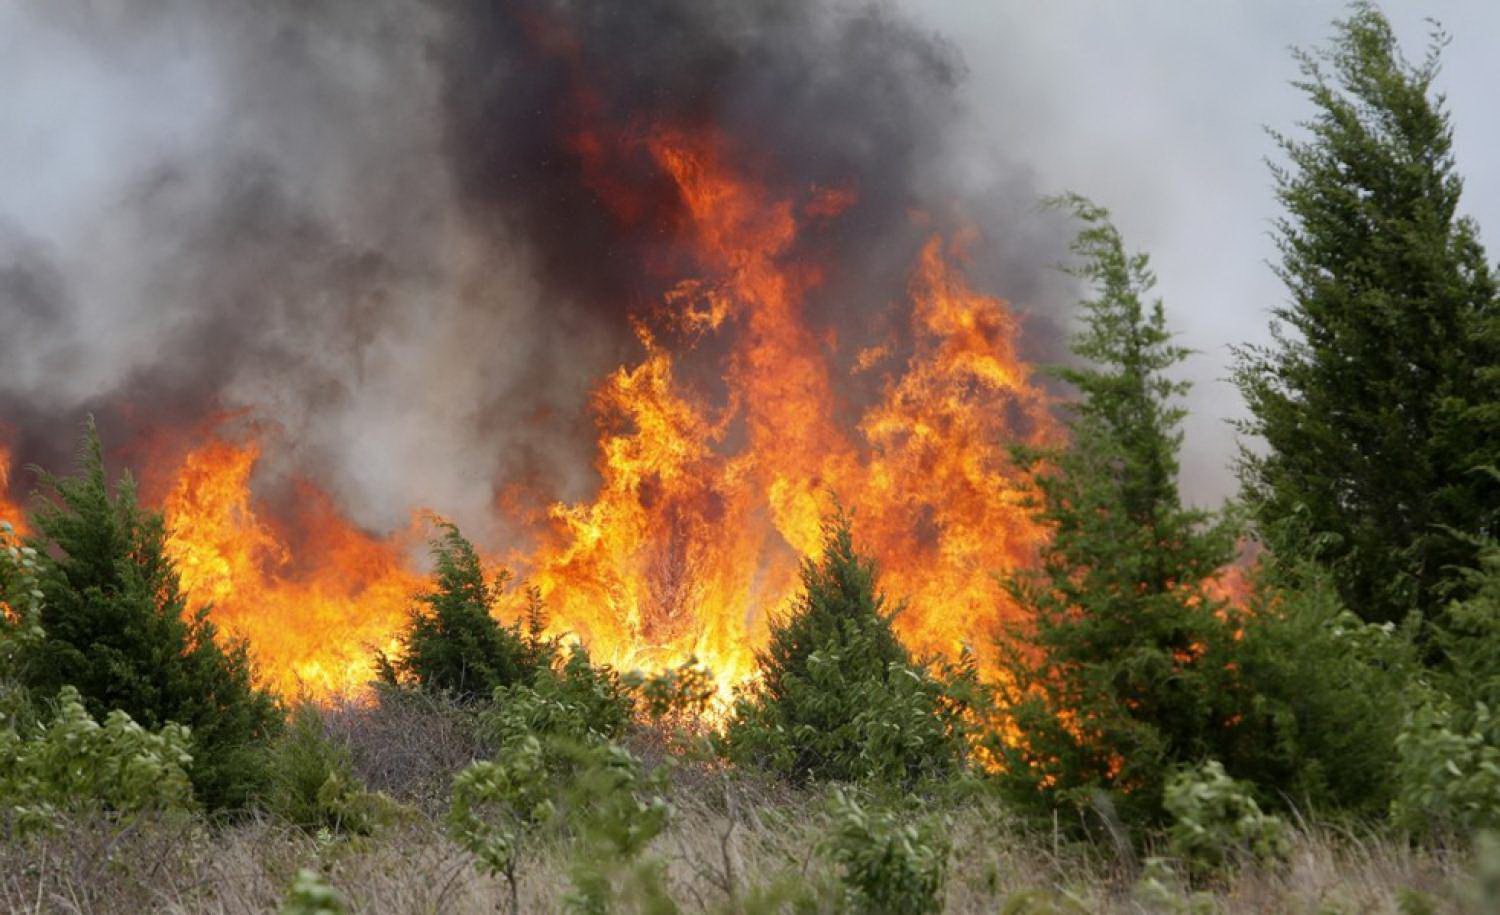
706,505
9,511
691,541
314,611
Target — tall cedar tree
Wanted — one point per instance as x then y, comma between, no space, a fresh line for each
1380,394
118,629
453,643
1112,684
839,697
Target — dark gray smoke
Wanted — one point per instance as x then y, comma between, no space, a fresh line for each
367,225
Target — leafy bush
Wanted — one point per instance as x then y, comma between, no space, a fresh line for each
1312,708
615,809
838,697
117,628
311,895
452,642
495,801
1216,821
1448,769
887,866
579,702
20,623
72,762
313,785
589,790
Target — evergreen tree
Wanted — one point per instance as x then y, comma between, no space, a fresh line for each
117,628
1114,682
1380,394
839,697
453,643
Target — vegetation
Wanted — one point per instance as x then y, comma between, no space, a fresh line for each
118,630
1118,671
886,865
838,696
1325,739
452,641
1378,397
1449,745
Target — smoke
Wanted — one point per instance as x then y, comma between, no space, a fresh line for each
375,229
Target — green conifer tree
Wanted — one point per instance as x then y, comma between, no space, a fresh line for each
1379,396
118,629
1112,679
839,697
453,643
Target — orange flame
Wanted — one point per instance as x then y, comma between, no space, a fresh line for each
9,511
689,543
314,613
704,510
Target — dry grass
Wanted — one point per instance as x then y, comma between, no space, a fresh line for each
727,837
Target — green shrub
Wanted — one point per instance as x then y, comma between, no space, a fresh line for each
838,697
615,809
1216,821
496,801
118,629
452,642
312,782
578,701
590,791
72,762
1448,752
1313,706
887,866
310,894
20,623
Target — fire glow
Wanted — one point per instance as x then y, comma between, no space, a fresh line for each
706,502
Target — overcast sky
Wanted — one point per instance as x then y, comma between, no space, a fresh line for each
1156,109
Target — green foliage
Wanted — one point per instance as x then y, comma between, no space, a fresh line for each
1380,394
1449,747
587,789
313,785
494,801
1160,890
117,628
557,770
579,702
1216,821
615,811
72,762
20,623
453,643
887,866
1313,702
1116,675
681,694
311,895
839,698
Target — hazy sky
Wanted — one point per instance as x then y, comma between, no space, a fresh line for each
1156,109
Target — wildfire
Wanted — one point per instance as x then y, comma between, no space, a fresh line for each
9,511
690,543
706,505
313,615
